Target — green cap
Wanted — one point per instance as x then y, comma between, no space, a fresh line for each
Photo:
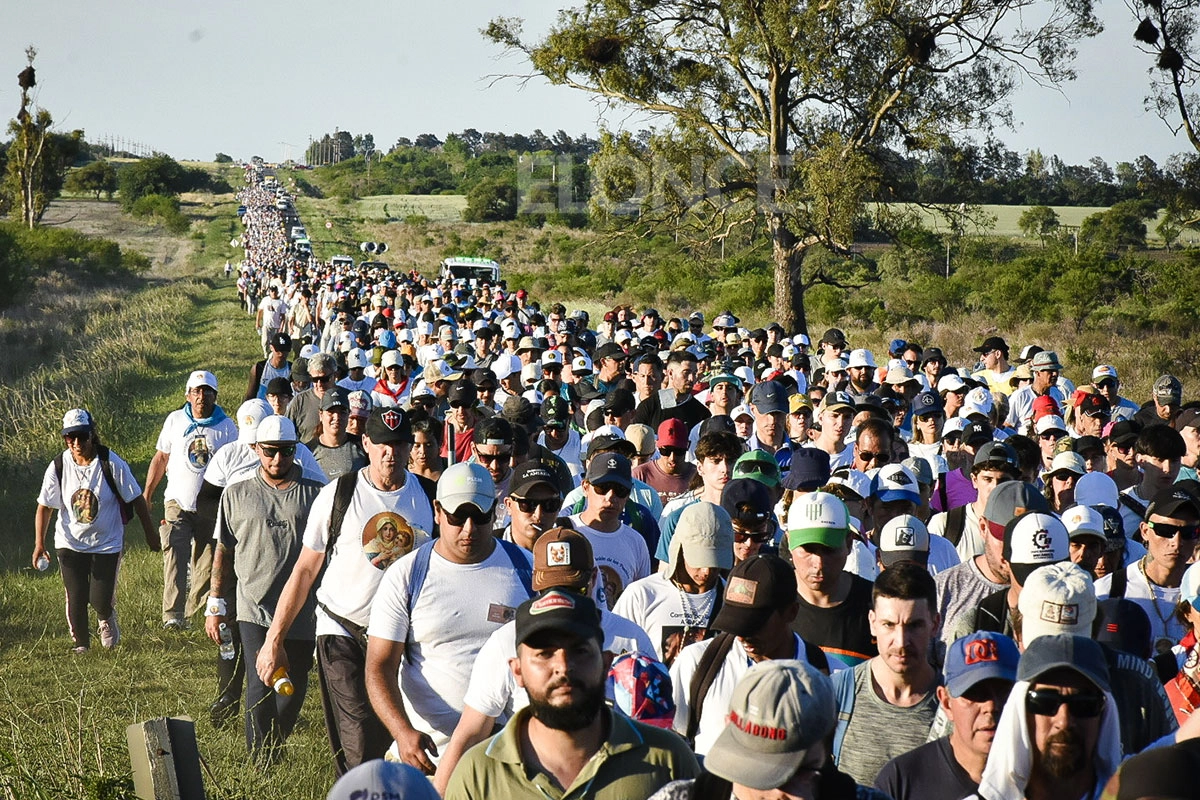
818,518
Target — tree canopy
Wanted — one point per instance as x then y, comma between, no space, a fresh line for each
791,108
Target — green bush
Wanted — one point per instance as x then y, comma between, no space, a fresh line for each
163,209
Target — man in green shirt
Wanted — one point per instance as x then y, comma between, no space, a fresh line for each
566,743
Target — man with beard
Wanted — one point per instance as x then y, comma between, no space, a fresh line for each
567,742
1063,741
980,671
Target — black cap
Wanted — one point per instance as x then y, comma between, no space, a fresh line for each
463,392
389,426
281,342
279,386
992,343
555,411
977,432
610,350
747,500
610,468
528,475
619,401
834,336
1171,500
757,588
337,397
1124,432
559,611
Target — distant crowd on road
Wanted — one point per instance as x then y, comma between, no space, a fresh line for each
658,557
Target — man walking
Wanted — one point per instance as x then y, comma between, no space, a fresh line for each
189,438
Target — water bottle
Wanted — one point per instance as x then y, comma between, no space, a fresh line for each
281,683
43,563
228,651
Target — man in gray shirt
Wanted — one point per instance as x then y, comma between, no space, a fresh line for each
259,536
334,449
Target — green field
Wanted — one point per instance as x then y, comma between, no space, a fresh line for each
437,207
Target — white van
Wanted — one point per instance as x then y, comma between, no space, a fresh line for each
472,271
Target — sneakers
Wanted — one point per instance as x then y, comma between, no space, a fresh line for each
175,625
110,634
78,650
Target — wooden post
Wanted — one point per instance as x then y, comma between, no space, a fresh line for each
165,759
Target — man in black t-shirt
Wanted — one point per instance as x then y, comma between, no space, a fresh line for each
980,671
675,401
833,603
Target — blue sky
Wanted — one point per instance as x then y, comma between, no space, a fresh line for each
247,77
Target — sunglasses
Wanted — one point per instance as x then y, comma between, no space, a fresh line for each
270,452
322,378
78,437
874,458
462,405
493,458
615,488
669,452
1055,435
758,538
1046,702
545,504
1188,533
468,512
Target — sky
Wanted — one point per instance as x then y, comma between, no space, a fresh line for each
260,77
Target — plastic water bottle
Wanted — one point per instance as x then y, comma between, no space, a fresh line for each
43,563
281,683
228,651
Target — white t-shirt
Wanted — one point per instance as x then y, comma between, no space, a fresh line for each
842,459
1159,602
351,580
459,607
657,606
970,544
622,557
493,689
273,309
238,462
367,384
189,453
89,516
716,703
570,452
864,563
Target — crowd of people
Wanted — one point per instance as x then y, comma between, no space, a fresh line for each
661,556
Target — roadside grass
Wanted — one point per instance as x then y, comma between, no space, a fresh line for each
123,351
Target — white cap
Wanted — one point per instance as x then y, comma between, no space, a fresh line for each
1097,489
380,779
309,350
950,383
622,335
464,483
802,340
835,365
904,538
552,357
357,359
746,374
1051,422
1069,461
742,410
392,358
1189,589
1104,371
1084,521
276,430
861,358
202,378
249,415
817,517
978,401
953,425
1058,598
1038,539
505,365
581,365
856,481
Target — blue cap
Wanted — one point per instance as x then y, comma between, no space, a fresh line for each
977,657
897,346
809,469
927,404
769,397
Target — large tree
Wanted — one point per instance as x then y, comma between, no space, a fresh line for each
801,100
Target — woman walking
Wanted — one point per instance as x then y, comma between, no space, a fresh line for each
95,493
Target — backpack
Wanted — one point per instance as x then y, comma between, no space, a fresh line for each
956,523
106,468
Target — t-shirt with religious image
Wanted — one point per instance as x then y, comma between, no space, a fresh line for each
493,690
443,629
89,514
842,631
621,556
672,617
264,526
355,569
189,447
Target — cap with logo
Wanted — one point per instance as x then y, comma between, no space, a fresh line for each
904,538
357,359
977,432
202,378
379,779
609,468
977,657
555,411
281,342
673,433
895,482
769,397
927,404
78,420
978,401
562,557
463,484
389,426
558,611
1168,390
1011,499
778,711
1034,539
1058,598
837,401
1169,502
757,588
336,398
704,536
747,501
817,518
528,475
1084,522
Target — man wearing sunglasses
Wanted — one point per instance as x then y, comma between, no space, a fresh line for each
533,503
873,445
1171,530
749,506
1119,453
1064,742
671,473
259,538
1158,453
433,613
1108,383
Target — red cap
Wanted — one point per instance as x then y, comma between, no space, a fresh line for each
672,433
1045,406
